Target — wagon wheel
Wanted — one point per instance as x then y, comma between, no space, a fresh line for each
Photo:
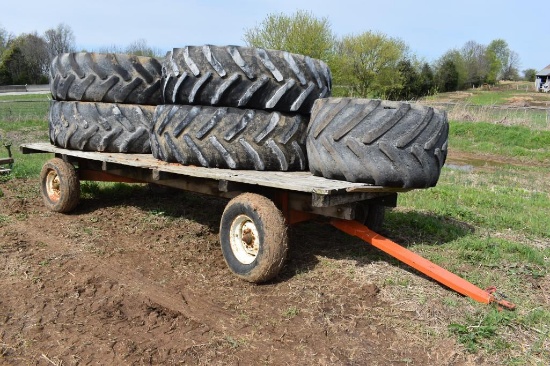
372,216
59,185
253,237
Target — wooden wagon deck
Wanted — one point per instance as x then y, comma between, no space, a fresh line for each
144,167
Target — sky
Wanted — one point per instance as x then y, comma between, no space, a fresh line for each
430,28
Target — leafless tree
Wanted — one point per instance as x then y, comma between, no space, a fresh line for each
511,69
477,66
141,48
59,40
5,39
110,49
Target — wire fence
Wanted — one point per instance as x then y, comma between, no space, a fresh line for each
36,107
532,117
16,110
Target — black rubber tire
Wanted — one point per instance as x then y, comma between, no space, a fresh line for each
257,229
244,77
59,186
108,127
394,144
106,77
372,216
230,138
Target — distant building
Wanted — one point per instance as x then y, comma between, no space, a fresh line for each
542,82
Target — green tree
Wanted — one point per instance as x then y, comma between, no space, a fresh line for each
35,54
410,82
12,68
25,61
427,80
498,54
447,76
450,72
367,64
300,33
494,67
530,75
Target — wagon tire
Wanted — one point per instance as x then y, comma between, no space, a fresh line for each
59,186
372,216
253,237
385,143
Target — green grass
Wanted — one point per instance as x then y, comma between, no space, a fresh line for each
24,107
483,97
24,118
480,327
496,201
508,141
490,224
25,97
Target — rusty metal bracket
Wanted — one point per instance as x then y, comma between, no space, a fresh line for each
421,264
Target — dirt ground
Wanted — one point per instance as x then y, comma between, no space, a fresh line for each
137,277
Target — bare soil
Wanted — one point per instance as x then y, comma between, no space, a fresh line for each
137,277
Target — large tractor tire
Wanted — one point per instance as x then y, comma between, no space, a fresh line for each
223,137
105,127
394,144
106,77
244,77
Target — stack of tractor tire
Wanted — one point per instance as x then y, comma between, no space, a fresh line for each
236,107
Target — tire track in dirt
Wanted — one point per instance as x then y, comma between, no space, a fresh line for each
185,301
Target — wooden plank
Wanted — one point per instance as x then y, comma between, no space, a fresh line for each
319,200
293,181
6,161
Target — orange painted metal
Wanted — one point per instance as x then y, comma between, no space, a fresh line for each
423,265
291,216
294,217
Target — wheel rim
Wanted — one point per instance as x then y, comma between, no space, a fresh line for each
245,241
53,186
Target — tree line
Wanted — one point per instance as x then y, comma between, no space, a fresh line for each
369,64
372,64
26,59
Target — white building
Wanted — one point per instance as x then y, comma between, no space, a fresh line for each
542,82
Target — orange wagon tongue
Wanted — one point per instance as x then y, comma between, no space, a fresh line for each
423,265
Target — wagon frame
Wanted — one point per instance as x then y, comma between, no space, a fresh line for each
295,196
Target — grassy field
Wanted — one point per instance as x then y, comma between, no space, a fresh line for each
24,118
486,219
